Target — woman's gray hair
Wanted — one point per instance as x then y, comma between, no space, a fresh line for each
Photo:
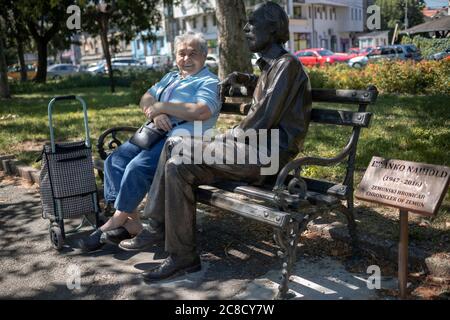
192,36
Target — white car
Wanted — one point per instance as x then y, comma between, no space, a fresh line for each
212,61
96,69
254,59
58,71
157,62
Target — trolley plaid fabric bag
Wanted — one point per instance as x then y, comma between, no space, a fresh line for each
67,175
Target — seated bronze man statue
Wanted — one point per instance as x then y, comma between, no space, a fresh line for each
281,101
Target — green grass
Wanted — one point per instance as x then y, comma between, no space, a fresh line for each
413,128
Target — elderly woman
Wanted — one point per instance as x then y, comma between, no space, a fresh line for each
187,95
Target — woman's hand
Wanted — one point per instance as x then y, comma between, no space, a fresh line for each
162,122
154,110
147,112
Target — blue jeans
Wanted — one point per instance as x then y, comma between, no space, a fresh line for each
129,173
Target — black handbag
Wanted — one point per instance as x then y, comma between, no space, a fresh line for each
147,135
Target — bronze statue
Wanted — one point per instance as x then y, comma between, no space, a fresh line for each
281,100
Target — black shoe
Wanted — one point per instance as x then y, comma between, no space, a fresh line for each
145,239
172,267
92,242
115,236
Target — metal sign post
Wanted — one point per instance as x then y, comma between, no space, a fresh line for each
408,186
403,254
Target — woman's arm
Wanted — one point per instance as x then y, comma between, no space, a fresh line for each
147,100
186,111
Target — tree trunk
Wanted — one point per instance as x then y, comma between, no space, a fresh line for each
105,46
106,53
41,75
23,67
4,87
234,54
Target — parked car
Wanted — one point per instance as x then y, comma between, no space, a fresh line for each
158,62
58,71
120,65
14,72
320,57
441,55
396,52
96,69
409,51
254,59
355,52
212,61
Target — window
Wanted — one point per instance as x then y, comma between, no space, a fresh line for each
334,13
352,13
138,44
297,12
305,54
325,53
320,11
309,12
326,13
205,22
331,14
184,24
386,51
194,23
301,41
214,20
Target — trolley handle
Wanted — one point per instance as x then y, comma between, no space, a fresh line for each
71,97
50,118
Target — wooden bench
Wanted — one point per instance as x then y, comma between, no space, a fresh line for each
292,201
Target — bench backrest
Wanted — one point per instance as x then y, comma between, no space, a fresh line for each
356,119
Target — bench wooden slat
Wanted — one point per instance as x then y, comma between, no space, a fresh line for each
344,96
225,200
341,117
338,190
335,96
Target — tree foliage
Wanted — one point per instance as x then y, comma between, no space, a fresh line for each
393,12
114,20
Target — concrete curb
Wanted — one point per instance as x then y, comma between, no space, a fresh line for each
14,167
437,266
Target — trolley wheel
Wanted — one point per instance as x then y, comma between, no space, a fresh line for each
56,237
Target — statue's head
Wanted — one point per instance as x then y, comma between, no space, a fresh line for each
267,25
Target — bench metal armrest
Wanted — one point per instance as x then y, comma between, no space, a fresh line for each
296,164
115,142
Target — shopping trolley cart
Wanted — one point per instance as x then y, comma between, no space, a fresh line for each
67,181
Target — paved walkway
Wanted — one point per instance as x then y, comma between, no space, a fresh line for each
236,264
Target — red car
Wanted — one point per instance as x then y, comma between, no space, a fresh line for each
320,57
355,52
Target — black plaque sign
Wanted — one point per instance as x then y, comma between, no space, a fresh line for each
410,186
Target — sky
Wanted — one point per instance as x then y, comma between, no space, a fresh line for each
436,3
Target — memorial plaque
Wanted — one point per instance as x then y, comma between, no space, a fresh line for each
411,186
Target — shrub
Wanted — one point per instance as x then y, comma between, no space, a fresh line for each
425,77
86,80
142,82
427,46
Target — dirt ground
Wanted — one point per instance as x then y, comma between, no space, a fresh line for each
239,248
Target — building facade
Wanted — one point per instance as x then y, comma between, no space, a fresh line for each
330,24
324,24
92,51
312,23
198,18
